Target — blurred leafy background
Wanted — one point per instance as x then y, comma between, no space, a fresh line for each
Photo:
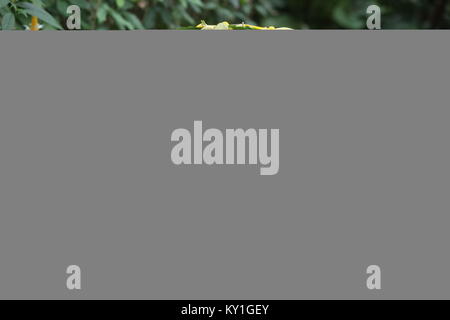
172,14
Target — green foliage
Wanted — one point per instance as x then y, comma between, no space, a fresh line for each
34,10
351,14
160,14
172,14
17,14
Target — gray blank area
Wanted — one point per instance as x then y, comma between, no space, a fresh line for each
86,176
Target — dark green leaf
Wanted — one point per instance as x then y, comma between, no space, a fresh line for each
8,21
134,20
3,3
